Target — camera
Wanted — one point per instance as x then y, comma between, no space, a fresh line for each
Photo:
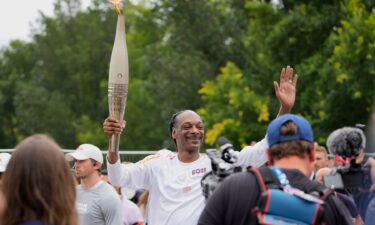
349,177
349,143
223,163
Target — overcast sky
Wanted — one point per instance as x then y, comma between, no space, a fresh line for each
17,17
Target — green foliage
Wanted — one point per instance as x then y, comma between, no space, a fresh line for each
144,128
89,131
330,43
218,56
16,63
342,75
40,111
232,109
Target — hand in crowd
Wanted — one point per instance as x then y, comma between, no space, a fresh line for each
321,173
112,126
286,91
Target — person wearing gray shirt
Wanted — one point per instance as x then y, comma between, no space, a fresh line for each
97,202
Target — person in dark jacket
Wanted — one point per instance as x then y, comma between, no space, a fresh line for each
292,151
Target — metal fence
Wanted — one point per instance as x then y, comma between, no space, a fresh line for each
135,155
125,156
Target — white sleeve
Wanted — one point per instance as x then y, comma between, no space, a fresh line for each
134,176
255,155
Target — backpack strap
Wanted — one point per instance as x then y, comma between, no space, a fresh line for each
328,192
268,182
317,190
266,179
274,204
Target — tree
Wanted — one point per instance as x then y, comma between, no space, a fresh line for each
232,109
16,63
208,55
39,111
346,72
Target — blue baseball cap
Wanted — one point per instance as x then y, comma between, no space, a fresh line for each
304,131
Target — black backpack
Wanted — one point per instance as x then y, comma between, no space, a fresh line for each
276,206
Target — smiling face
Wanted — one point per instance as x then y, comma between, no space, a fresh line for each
188,131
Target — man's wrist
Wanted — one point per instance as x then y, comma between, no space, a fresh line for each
112,157
283,111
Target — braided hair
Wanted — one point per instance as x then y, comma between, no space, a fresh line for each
172,123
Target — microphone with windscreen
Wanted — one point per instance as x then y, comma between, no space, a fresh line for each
346,142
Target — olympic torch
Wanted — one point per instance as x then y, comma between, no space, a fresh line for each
118,76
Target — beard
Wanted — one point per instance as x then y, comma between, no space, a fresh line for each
80,176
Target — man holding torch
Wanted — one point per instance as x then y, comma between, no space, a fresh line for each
173,179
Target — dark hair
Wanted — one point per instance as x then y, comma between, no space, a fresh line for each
290,148
104,172
172,123
94,162
38,184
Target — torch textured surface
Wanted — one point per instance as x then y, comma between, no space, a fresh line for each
118,79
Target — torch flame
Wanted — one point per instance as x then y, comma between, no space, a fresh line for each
116,4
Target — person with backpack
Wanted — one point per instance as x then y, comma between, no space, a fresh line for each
281,192
173,178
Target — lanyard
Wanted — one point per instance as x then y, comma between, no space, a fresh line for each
290,190
282,178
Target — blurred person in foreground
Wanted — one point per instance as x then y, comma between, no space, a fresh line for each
173,178
291,158
97,201
38,186
131,213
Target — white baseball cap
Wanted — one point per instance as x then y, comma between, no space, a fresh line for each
4,159
86,151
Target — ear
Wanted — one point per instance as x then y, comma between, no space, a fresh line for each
312,153
98,165
174,133
269,157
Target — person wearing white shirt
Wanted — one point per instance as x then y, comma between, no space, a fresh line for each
173,178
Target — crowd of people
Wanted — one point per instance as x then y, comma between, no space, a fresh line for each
38,187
